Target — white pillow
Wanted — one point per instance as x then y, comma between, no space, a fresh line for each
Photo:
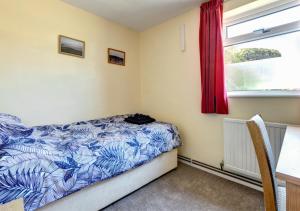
10,119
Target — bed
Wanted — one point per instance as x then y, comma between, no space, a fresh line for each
84,165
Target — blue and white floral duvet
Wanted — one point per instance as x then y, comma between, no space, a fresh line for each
45,163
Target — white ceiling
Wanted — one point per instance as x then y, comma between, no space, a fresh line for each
136,14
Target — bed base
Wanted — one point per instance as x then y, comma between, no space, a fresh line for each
104,193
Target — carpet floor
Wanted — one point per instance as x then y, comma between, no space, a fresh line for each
188,189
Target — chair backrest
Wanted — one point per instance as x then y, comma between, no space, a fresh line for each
266,161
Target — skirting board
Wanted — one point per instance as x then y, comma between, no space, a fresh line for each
108,191
222,175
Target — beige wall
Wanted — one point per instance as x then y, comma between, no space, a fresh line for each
42,86
232,4
171,91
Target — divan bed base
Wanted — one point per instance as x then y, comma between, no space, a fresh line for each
104,193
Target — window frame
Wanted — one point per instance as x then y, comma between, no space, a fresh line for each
265,33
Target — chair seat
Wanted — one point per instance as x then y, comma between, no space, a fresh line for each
281,198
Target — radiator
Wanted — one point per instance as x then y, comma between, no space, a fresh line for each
239,154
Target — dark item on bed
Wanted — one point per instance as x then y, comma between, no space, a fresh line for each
139,119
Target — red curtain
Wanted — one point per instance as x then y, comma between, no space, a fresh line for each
214,96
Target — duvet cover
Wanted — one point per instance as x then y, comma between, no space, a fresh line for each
45,163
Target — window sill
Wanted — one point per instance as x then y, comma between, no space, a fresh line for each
263,94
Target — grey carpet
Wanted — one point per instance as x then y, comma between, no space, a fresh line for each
187,188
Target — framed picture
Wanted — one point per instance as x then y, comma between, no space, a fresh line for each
116,57
70,46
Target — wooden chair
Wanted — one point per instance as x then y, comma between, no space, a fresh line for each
274,196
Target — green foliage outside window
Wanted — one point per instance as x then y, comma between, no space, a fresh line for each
233,55
244,71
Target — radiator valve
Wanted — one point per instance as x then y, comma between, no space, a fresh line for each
222,165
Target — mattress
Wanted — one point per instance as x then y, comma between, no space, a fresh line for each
45,163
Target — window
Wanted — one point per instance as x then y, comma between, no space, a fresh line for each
262,53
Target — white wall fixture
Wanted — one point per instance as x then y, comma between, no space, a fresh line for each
182,37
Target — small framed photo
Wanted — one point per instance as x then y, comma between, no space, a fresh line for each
70,46
116,57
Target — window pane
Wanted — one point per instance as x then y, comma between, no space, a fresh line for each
267,64
265,22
